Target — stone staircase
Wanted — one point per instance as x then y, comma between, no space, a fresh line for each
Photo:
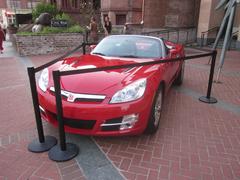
232,45
25,27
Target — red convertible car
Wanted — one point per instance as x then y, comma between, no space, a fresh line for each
115,102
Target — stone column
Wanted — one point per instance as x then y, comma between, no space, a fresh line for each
180,13
112,17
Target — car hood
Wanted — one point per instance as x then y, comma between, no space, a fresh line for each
103,82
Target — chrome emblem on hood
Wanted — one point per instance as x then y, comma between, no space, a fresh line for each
71,97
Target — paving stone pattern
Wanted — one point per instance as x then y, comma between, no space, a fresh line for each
195,140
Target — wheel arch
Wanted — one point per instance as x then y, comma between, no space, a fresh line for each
163,85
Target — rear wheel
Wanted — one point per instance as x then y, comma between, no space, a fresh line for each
179,80
155,116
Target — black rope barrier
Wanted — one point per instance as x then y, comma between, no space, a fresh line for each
160,61
42,143
58,59
66,151
208,98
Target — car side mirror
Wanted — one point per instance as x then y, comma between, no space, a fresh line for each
92,47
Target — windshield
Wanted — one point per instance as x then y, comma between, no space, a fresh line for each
129,46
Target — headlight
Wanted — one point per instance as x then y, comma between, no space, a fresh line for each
43,80
131,92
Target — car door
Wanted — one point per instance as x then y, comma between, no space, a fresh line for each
173,66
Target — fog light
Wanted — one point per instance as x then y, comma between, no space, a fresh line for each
128,121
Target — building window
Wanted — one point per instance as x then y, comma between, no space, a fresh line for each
13,4
120,19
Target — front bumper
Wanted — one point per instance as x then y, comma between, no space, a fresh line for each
97,118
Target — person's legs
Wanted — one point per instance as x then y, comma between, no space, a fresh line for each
1,46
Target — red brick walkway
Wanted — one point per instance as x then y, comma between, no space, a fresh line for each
194,141
17,129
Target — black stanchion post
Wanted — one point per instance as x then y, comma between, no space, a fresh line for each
43,143
65,151
208,98
84,48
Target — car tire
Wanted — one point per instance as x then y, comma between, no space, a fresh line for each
179,80
155,116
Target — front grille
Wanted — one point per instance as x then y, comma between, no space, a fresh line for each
76,123
79,97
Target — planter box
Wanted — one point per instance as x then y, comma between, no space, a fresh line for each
47,44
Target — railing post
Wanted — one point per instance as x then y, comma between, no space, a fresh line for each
208,98
202,39
84,47
65,151
43,143
187,38
177,35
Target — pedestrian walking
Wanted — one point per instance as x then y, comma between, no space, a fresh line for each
107,26
4,27
2,37
93,30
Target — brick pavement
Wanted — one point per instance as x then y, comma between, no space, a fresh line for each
194,141
17,129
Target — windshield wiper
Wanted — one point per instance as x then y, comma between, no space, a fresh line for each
98,53
129,56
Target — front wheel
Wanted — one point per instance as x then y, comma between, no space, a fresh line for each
155,116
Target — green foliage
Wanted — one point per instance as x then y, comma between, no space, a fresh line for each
72,29
26,33
54,30
50,30
76,29
44,8
65,17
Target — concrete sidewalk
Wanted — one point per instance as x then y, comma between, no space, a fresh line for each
195,140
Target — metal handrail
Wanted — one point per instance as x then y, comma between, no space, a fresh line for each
235,33
168,31
211,29
216,28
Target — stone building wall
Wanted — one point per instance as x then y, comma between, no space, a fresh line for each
171,13
47,44
131,8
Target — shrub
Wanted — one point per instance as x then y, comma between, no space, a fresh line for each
63,16
72,29
51,30
44,8
76,29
